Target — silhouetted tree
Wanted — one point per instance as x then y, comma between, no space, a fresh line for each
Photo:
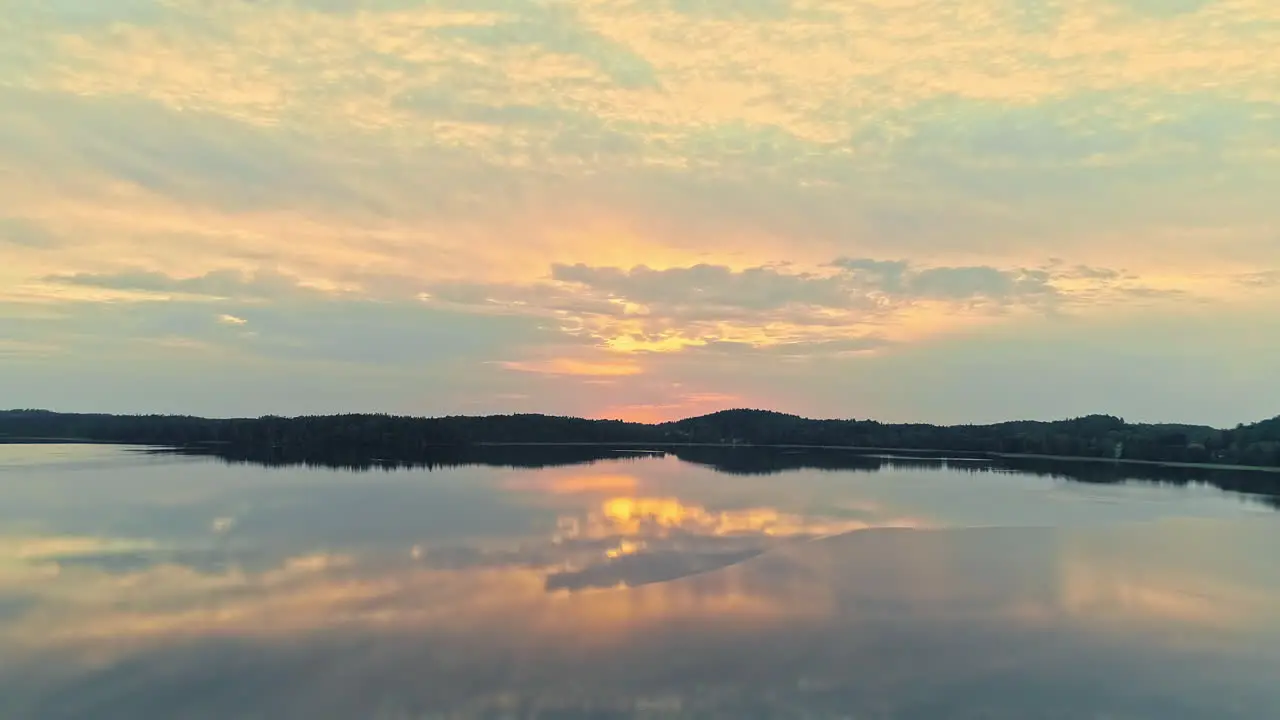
386,437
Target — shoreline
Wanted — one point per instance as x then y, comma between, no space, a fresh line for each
921,453
935,453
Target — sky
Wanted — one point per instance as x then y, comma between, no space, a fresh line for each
909,210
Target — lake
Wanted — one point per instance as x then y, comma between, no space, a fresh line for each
596,583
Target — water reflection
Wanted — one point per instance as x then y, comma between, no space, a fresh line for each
904,623
1262,483
630,588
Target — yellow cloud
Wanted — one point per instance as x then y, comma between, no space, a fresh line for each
313,74
791,73
50,548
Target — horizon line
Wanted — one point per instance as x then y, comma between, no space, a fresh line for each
628,422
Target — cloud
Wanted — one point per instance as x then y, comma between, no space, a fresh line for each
182,153
1033,160
735,9
568,366
14,350
388,334
844,308
214,284
1091,273
27,234
983,282
769,288
1266,279
759,288
558,29
574,182
290,326
811,349
1165,8
675,407
72,15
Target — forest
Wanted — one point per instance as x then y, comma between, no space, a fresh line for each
396,438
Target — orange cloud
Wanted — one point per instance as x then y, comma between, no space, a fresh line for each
684,405
568,366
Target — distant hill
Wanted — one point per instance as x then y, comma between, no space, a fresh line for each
407,438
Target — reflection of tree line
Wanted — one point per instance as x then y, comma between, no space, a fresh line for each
770,461
1104,473
767,461
759,461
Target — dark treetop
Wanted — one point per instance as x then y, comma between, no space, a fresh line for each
409,439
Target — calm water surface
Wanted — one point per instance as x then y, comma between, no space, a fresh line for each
731,584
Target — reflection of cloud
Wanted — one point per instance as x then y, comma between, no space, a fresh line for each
1124,593
126,592
636,569
602,483
971,604
661,517
122,612
616,527
1173,575
625,547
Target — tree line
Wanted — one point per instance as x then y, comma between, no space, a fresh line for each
361,438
